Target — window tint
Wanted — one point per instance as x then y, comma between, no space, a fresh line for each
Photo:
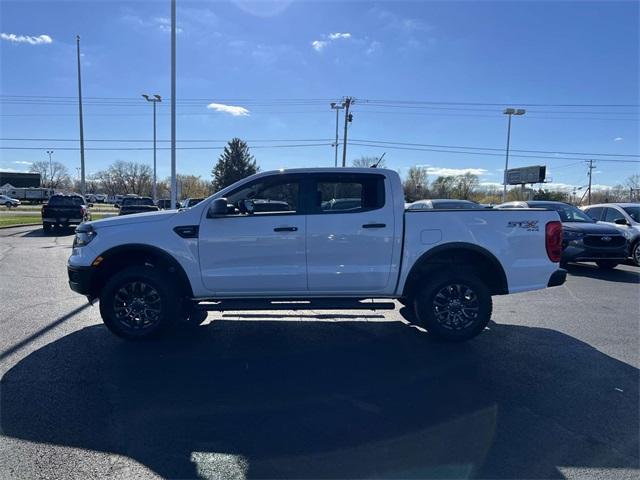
595,212
611,215
269,196
349,194
633,212
60,201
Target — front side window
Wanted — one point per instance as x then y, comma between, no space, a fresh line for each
267,197
612,215
344,194
633,212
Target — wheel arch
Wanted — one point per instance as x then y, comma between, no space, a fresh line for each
120,257
483,262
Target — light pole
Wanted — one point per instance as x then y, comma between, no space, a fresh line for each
174,186
155,99
50,152
510,112
337,107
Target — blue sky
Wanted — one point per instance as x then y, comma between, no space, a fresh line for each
252,54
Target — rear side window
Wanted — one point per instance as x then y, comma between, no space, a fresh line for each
612,215
595,212
349,193
65,201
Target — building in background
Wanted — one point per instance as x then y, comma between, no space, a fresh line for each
20,179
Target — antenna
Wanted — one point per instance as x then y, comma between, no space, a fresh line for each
375,165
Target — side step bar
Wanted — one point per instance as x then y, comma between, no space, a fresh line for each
297,304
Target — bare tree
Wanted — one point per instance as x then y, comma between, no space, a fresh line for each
443,187
465,185
193,186
366,162
416,185
54,175
122,178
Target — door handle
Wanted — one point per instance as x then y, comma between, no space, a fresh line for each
374,225
285,229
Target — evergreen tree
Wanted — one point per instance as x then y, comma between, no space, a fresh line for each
235,163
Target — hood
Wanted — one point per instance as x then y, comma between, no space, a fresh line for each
136,218
590,228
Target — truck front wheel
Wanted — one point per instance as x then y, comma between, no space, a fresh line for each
138,302
454,306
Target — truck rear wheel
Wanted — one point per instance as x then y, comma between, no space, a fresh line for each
47,227
607,264
138,302
454,306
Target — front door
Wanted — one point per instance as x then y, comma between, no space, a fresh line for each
262,252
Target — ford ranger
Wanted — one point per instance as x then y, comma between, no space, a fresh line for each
314,251
64,210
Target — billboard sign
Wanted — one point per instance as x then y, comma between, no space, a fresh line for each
522,175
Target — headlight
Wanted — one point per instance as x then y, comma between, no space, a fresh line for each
572,235
84,235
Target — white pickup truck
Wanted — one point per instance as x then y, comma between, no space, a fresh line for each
318,239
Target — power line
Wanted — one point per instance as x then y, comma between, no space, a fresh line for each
125,140
211,147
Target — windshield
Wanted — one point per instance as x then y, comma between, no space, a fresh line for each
568,213
127,202
633,212
65,201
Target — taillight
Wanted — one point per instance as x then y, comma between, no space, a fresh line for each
553,240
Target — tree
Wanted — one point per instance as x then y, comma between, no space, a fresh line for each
443,187
366,162
192,186
53,176
465,185
122,178
551,195
235,163
416,185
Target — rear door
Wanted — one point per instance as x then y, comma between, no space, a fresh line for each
350,233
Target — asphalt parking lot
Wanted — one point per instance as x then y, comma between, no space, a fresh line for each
550,390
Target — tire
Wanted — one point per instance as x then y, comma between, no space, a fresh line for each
47,227
635,254
450,292
138,302
8,204
607,264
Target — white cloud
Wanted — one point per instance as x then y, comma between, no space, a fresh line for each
373,47
320,45
19,162
39,40
618,139
230,109
442,171
164,24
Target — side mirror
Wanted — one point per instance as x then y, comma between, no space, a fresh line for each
90,205
621,221
218,208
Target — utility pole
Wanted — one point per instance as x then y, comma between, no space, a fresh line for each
337,107
174,185
347,118
50,152
154,100
80,114
591,167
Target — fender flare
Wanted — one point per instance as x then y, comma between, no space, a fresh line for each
502,286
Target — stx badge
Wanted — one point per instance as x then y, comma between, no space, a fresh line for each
528,225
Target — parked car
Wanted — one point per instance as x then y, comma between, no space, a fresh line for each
625,216
65,210
173,266
443,204
190,202
8,201
584,240
137,205
163,204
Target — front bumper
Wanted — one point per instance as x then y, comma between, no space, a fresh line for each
576,251
557,278
81,279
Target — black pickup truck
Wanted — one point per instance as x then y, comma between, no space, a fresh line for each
137,205
65,210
